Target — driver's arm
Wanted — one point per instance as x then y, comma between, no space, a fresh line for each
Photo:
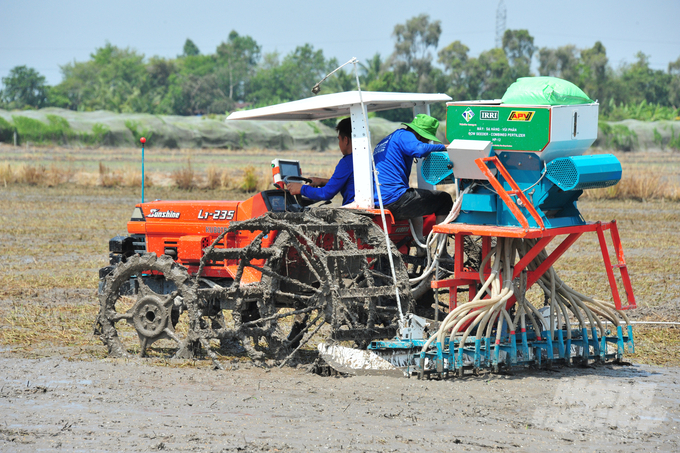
343,171
318,182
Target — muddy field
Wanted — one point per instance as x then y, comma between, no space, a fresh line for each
102,405
58,391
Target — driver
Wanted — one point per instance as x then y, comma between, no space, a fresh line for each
393,160
343,176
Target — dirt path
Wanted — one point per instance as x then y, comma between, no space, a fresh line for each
55,403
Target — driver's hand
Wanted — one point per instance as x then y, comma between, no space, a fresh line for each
294,188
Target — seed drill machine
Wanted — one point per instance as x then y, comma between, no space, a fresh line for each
274,270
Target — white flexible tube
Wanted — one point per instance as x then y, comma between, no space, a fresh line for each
441,238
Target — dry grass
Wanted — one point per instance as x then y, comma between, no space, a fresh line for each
7,175
30,327
250,180
107,178
656,346
187,169
213,178
184,177
639,185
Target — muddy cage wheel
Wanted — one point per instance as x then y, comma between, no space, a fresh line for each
327,265
300,284
127,296
364,296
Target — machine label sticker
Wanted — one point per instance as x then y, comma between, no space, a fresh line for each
489,115
215,230
520,116
155,213
217,214
511,128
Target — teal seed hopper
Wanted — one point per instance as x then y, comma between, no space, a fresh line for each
541,145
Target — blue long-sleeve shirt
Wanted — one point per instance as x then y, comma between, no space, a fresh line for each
393,159
341,181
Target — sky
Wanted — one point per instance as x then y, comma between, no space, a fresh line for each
45,34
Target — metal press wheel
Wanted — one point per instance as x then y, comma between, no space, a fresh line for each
133,295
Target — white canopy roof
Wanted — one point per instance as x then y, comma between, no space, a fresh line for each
337,104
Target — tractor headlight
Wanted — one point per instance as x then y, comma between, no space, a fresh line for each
137,215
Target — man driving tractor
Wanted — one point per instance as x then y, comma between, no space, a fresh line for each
343,177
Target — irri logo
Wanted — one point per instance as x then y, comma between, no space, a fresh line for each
489,115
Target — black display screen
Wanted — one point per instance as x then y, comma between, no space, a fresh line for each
289,168
277,202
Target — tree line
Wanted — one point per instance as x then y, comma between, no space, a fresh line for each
239,75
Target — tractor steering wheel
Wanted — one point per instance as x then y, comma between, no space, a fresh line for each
301,200
291,178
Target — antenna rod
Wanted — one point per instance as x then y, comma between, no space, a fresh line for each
142,141
316,88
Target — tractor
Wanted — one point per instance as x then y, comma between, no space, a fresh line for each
268,273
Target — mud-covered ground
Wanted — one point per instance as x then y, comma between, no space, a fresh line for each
54,404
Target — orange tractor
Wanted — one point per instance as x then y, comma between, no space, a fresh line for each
281,270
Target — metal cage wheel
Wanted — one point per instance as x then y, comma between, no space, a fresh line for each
129,295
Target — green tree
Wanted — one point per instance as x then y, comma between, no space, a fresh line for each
454,58
414,42
191,94
372,69
237,59
291,78
24,87
594,73
645,84
190,49
562,62
674,86
113,79
489,75
159,71
519,49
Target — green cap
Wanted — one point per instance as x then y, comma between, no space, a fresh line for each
425,126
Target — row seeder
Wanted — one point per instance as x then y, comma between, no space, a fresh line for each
515,204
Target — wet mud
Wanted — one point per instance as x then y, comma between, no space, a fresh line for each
132,405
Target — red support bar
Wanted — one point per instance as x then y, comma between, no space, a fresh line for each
623,269
530,255
465,277
486,249
451,282
459,253
554,256
505,195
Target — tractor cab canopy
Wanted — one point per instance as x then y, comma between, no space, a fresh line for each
348,104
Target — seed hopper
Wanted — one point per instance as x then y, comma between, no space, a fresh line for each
519,171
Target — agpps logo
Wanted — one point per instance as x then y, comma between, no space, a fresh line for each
489,115
520,116
468,114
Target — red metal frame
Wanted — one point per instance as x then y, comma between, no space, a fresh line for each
464,277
